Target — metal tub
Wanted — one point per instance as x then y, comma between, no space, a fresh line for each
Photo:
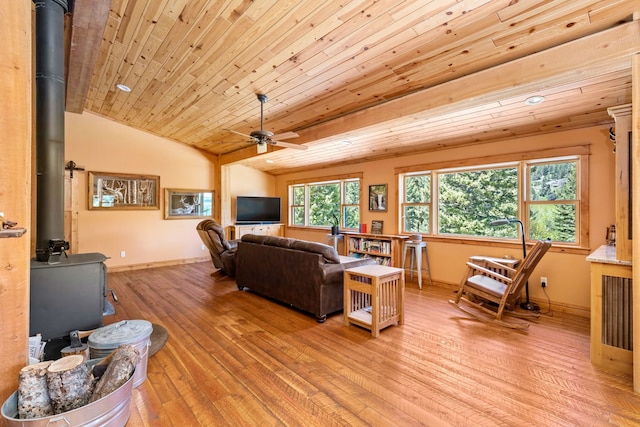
136,333
110,411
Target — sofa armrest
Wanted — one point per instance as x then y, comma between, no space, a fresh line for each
334,273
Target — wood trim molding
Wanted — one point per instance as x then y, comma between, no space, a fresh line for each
157,264
635,212
352,175
16,135
577,150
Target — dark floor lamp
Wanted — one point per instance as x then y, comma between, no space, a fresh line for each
527,305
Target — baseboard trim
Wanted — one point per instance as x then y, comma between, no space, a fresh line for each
146,265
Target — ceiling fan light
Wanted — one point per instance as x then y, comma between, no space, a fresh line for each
262,148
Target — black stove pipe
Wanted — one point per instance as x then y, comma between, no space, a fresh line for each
50,101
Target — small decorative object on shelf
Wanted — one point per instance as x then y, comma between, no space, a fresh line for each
611,235
9,229
376,226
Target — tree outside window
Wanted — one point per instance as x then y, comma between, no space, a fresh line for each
543,194
325,203
468,201
297,205
417,203
553,201
351,205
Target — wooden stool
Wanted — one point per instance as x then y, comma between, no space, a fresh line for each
416,259
374,297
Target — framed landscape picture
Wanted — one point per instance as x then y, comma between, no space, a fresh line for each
187,204
115,191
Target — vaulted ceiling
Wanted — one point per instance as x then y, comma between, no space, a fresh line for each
391,77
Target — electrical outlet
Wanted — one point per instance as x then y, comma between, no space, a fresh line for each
543,282
122,254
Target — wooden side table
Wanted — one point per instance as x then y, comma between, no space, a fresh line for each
374,297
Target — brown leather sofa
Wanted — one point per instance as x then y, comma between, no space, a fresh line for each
305,275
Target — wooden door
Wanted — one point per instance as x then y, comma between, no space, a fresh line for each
71,211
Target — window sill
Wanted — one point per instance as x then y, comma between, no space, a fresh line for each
555,247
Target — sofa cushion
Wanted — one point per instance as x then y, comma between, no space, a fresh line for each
281,242
253,238
329,254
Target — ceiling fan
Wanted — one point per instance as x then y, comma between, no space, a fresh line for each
263,137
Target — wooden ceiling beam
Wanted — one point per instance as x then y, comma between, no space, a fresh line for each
88,22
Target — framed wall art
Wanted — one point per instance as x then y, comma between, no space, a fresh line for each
187,204
378,197
115,191
376,226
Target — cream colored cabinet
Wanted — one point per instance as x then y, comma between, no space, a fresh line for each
622,116
237,231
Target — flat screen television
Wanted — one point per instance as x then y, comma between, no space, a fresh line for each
257,210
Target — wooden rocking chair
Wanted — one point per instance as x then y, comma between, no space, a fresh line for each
497,294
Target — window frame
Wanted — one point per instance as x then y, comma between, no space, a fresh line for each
404,204
527,201
306,184
579,153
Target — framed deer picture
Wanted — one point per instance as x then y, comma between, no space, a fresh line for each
187,204
115,191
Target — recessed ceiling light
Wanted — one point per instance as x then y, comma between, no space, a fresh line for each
123,88
270,161
346,143
534,100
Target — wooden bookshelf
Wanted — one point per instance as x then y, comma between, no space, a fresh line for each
385,249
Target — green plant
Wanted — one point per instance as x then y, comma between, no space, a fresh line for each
336,220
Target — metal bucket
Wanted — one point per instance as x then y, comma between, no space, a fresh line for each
110,411
134,332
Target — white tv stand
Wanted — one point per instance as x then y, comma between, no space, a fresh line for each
239,230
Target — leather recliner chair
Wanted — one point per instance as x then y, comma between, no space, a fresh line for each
222,251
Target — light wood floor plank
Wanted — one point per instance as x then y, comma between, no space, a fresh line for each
236,358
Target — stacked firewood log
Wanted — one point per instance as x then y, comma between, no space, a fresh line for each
51,388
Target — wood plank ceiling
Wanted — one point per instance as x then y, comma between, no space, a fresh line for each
391,77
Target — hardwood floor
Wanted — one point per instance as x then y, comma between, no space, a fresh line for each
235,358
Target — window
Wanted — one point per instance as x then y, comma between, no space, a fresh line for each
319,204
469,200
543,193
553,205
297,205
417,203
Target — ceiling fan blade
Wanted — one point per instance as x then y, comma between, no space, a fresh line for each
289,145
238,133
285,135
